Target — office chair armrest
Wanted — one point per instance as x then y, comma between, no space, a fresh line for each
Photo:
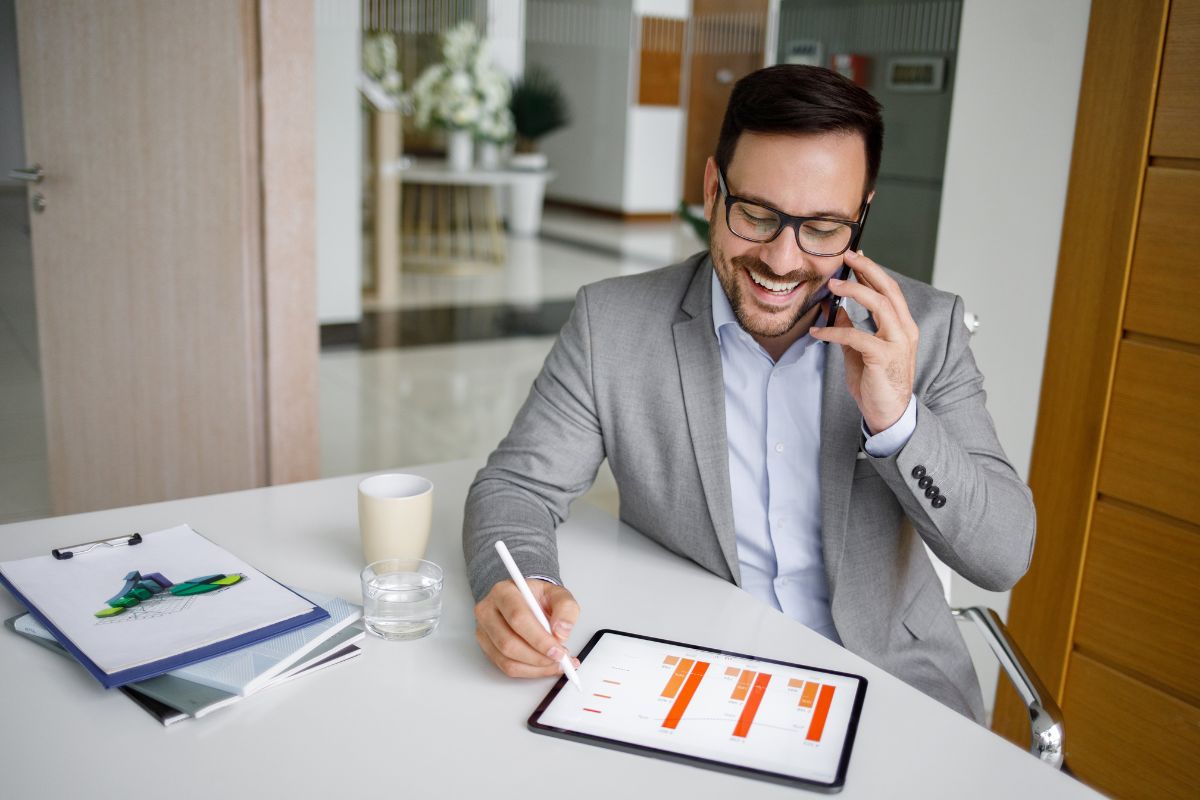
1045,717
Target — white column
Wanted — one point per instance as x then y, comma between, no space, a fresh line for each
338,180
506,35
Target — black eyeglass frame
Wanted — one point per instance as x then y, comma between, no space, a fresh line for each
788,221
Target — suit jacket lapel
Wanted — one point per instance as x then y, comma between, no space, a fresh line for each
841,438
704,402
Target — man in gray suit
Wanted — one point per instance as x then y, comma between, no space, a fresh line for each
804,462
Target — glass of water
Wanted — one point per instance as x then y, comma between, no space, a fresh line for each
402,598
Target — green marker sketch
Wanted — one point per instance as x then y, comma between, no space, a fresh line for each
139,587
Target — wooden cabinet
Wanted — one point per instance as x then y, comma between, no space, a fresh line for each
1110,611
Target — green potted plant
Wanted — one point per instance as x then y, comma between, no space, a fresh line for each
538,107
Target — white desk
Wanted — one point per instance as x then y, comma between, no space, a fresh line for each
433,718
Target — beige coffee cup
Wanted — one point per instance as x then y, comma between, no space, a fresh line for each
394,516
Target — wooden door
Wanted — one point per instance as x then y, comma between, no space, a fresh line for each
173,262
728,40
1110,611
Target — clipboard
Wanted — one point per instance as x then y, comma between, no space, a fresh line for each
771,720
162,633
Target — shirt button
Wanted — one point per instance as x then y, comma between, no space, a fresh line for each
779,447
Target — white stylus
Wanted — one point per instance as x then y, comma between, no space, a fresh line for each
536,608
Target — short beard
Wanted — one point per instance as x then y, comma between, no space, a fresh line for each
776,324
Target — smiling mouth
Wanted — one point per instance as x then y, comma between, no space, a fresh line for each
774,287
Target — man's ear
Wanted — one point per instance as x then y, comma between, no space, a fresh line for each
710,185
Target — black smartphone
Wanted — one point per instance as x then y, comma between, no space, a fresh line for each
843,274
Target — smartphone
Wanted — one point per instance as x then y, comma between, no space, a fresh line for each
843,274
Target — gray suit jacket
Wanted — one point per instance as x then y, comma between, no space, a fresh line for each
635,377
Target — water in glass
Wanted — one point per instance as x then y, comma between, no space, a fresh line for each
402,605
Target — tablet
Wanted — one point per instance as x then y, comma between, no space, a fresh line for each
772,720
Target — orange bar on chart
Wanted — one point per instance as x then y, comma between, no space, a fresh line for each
743,685
795,683
731,672
669,660
751,707
817,726
685,696
809,694
681,671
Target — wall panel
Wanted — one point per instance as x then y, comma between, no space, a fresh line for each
1164,285
1139,604
1149,455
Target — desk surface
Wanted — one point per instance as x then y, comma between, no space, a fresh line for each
433,716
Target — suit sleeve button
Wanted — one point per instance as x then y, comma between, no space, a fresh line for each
938,501
918,471
925,482
932,492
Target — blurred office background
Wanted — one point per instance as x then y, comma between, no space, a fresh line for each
448,355
437,370
332,368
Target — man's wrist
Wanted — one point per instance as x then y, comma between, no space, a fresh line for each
891,440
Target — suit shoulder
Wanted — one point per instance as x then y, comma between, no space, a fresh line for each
925,303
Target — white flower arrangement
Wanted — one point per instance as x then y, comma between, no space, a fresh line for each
380,61
496,126
465,91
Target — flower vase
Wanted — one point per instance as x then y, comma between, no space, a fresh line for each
459,146
488,153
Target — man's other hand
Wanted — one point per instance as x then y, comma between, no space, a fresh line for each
511,636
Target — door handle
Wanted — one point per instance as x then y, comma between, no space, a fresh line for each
32,174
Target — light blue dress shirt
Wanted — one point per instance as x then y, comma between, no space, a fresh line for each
773,426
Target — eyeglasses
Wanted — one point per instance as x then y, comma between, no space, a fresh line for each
817,236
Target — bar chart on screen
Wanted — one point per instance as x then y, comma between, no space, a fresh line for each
707,703
718,707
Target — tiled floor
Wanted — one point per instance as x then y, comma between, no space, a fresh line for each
380,408
393,406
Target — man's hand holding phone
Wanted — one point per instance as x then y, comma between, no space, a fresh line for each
880,367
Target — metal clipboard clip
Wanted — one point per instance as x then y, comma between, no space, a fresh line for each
63,553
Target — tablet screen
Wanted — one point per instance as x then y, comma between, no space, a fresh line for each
773,720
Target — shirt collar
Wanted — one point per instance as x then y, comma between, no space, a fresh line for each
723,317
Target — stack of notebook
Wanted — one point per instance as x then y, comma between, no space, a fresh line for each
190,628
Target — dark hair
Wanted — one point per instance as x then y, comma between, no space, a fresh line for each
797,99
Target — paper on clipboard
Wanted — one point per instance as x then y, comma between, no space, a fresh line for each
67,593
